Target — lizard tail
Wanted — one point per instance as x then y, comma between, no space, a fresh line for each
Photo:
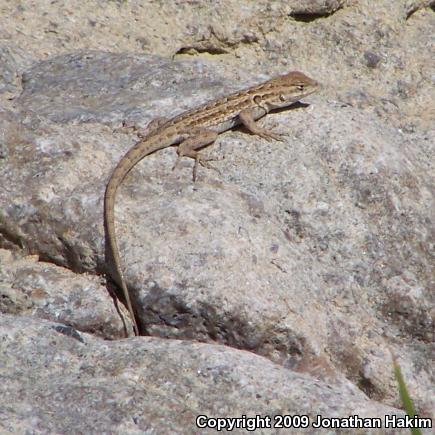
130,159
112,252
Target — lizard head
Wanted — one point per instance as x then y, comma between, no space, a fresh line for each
285,90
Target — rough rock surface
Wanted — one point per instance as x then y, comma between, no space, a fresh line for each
70,382
46,291
316,253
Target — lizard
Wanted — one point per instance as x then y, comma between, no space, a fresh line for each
193,130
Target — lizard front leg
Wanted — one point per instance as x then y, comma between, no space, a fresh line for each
247,119
190,147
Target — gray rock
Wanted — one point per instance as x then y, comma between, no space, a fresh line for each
88,87
13,61
53,382
46,291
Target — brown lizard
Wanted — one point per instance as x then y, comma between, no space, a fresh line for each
196,129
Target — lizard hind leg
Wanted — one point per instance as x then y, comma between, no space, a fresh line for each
190,146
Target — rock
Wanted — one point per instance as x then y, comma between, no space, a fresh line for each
75,383
46,291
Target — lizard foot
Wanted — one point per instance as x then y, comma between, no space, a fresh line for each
204,162
268,135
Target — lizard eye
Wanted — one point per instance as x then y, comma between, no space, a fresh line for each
282,97
300,87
